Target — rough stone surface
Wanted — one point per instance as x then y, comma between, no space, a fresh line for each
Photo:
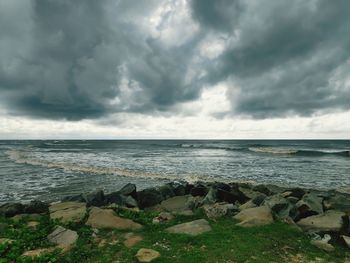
249,204
147,255
346,240
322,245
176,204
132,241
33,224
338,201
192,228
128,190
11,209
310,204
36,207
219,209
96,198
199,190
331,220
63,237
68,211
106,218
257,216
149,197
279,205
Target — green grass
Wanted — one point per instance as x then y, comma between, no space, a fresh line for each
225,243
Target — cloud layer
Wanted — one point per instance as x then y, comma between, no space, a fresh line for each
86,59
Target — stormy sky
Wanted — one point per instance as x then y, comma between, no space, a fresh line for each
174,69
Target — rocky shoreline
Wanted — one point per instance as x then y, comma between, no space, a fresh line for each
323,215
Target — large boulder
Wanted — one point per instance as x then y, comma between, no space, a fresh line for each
279,205
231,196
199,190
330,221
149,197
166,191
114,198
192,228
310,204
68,211
211,196
338,201
128,189
106,218
219,209
95,198
11,209
36,207
176,204
256,216
63,237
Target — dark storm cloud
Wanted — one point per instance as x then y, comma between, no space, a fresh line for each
285,55
87,59
77,59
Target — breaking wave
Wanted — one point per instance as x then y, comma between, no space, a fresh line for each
23,157
290,151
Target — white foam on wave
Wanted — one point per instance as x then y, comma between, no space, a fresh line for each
24,158
273,150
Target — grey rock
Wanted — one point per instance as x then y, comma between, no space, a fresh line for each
199,190
95,198
279,205
63,237
149,197
330,221
176,204
11,209
130,202
114,198
257,216
192,228
310,204
68,211
128,189
36,207
211,196
217,210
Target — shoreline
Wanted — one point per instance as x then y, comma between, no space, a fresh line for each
322,217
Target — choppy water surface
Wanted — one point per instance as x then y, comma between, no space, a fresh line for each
49,170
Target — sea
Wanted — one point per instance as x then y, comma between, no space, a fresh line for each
51,169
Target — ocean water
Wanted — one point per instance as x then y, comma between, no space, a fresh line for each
49,170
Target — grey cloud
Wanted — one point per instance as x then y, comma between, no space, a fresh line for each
284,57
65,59
77,54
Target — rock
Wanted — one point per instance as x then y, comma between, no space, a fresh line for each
74,198
288,220
115,198
293,200
296,192
219,209
346,240
259,199
128,190
194,202
279,205
36,207
330,221
246,205
309,205
38,252
210,197
11,209
147,255
68,211
63,237
232,196
129,201
193,228
338,202
106,218
322,245
257,216
96,198
176,204
149,197
179,188
262,189
162,217
199,190
166,191
132,240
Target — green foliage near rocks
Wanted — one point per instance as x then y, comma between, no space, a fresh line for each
226,242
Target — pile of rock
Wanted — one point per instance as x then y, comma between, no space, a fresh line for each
322,214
